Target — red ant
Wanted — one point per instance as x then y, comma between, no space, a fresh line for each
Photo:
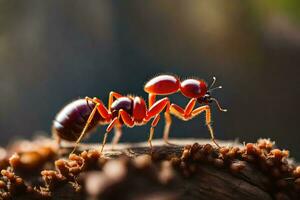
82,115
196,90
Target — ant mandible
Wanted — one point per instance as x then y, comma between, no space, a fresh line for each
195,89
81,116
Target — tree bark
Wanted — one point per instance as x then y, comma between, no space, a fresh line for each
207,181
190,169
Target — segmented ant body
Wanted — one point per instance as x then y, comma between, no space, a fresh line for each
194,89
72,123
81,116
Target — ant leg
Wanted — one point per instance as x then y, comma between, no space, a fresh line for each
186,112
157,108
108,130
154,111
117,136
151,99
189,107
85,127
103,111
168,122
111,97
206,108
179,113
128,121
58,142
153,125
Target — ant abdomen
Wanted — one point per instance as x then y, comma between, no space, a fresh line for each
70,121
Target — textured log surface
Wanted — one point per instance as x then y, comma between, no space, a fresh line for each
191,169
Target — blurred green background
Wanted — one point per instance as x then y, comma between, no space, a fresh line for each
52,52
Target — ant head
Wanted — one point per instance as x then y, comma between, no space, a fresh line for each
207,98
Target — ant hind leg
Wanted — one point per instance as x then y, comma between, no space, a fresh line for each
168,122
153,125
85,127
117,136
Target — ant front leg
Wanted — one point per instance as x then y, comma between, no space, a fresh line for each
193,114
179,112
185,113
206,108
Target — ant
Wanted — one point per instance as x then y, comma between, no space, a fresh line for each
195,89
81,116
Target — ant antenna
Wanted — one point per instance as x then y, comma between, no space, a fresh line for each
216,101
219,87
213,82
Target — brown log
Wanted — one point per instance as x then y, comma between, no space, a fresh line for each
182,171
207,182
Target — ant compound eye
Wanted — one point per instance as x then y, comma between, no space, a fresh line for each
193,88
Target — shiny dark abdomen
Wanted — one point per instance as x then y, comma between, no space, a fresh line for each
70,121
124,103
